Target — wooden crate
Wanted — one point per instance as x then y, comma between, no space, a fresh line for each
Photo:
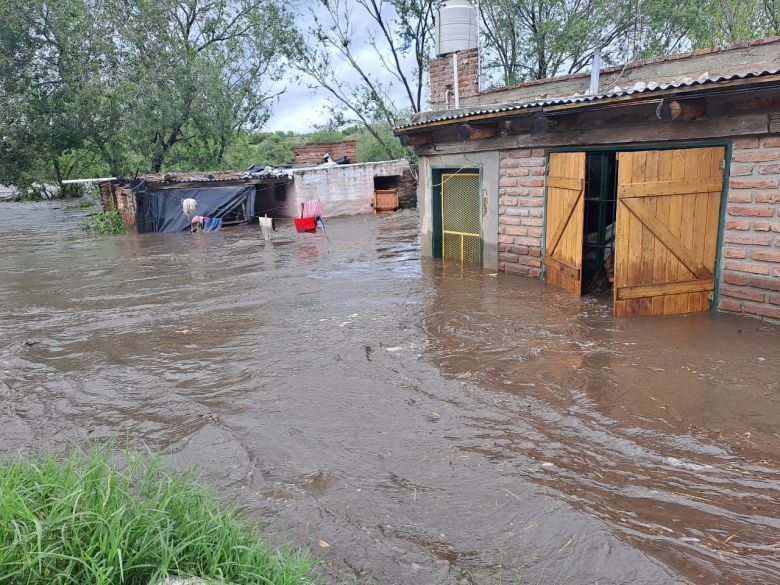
385,200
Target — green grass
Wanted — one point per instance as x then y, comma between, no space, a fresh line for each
104,223
83,520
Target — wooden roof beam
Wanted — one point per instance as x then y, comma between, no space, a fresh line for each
418,139
669,109
478,132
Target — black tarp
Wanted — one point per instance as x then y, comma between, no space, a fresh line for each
159,210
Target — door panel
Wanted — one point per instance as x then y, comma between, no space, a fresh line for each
565,216
667,230
460,217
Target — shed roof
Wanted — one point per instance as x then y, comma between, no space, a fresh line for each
650,89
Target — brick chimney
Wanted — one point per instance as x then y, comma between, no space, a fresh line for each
443,94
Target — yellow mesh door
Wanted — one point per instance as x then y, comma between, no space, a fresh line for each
460,214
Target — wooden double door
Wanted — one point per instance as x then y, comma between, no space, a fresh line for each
665,234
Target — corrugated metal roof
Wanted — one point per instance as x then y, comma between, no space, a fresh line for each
638,88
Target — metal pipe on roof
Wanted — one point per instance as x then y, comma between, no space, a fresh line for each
98,180
595,72
455,80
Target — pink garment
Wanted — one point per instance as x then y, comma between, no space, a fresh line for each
312,208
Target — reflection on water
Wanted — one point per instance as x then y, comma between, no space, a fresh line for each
434,424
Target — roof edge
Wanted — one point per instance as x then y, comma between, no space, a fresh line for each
637,64
570,103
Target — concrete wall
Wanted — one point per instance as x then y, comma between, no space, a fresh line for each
342,189
488,163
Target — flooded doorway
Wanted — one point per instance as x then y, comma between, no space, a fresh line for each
640,227
598,247
457,207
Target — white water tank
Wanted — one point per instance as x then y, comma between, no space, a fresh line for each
457,28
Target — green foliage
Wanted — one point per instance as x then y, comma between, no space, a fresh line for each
370,149
104,223
85,520
174,80
535,39
326,135
262,148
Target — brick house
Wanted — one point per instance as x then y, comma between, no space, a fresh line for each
662,185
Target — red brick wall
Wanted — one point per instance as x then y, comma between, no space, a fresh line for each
521,211
125,199
106,198
750,275
311,154
442,81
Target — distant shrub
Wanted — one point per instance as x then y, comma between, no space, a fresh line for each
104,223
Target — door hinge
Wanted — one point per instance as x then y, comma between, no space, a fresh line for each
723,165
710,296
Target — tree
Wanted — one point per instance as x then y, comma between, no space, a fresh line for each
198,70
378,79
132,81
536,39
47,57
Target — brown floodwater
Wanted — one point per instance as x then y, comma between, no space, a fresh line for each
408,421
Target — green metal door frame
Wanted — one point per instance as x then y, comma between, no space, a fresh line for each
436,219
727,144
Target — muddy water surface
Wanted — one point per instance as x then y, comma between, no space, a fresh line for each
410,422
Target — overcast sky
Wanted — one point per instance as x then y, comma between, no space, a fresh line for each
299,109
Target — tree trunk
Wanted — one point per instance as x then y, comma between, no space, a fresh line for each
221,151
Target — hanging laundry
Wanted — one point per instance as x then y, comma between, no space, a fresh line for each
206,224
189,206
213,224
311,208
267,225
311,212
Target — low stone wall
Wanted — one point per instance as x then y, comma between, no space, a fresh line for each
407,191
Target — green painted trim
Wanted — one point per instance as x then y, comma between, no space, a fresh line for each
643,146
724,196
436,230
